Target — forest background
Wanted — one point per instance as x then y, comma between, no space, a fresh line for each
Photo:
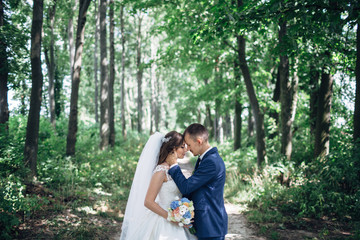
84,83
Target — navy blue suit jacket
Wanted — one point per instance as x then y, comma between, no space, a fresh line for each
206,189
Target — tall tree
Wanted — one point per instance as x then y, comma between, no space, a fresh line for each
4,71
50,62
285,93
71,36
123,121
258,115
314,88
104,80
322,131
153,87
32,128
238,108
96,56
357,94
80,32
139,76
112,76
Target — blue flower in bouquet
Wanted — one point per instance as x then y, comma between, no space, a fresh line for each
185,200
187,214
174,205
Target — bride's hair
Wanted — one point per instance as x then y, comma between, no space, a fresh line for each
172,141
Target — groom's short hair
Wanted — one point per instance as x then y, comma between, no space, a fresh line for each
197,130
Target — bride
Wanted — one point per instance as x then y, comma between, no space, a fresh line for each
152,191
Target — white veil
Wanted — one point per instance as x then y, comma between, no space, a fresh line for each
135,208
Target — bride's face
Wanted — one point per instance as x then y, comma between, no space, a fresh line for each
181,151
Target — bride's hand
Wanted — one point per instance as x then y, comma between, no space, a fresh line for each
171,158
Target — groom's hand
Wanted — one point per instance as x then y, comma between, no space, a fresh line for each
171,158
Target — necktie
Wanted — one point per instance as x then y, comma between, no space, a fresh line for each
197,162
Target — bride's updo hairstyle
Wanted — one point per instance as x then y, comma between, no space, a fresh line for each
171,142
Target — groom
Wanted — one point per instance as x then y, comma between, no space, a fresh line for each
206,186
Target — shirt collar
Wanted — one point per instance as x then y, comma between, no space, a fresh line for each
202,155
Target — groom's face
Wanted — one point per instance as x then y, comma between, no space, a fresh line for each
193,145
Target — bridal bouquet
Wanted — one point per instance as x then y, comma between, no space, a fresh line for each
181,211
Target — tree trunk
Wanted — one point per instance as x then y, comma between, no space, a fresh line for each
104,86
217,121
22,97
238,108
96,56
285,96
294,92
71,39
50,62
322,133
4,73
32,129
158,103
357,94
80,32
258,115
123,121
153,88
314,85
139,75
276,97
112,76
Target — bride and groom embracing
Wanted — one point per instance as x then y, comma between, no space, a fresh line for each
158,181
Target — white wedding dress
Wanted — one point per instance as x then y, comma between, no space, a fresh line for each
154,227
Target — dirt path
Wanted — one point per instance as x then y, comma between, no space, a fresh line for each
238,228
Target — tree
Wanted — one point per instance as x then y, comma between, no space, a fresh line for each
32,128
238,108
72,127
70,31
322,131
50,62
96,56
123,121
139,75
4,70
285,93
112,76
357,94
104,78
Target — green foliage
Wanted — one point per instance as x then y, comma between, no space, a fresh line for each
91,175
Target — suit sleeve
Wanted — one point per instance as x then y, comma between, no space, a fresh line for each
203,174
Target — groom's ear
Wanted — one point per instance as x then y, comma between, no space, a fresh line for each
199,140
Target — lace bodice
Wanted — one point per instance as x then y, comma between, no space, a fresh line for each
168,191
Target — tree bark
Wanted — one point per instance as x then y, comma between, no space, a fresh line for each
238,108
32,128
123,121
80,32
285,95
71,39
112,76
153,87
356,134
4,73
322,134
104,85
139,75
50,62
258,115
96,56
314,89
